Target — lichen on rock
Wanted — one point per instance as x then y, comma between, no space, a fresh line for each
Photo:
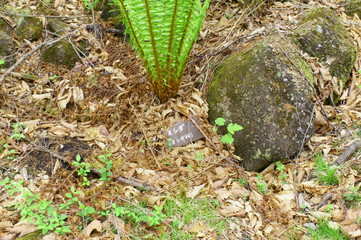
322,35
264,89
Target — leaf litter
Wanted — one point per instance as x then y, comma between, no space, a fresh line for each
107,105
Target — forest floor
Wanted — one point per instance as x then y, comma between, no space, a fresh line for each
103,112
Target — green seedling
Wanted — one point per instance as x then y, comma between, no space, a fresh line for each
39,211
136,215
282,175
83,170
262,186
106,172
2,61
325,173
232,128
90,4
324,231
243,182
17,129
353,197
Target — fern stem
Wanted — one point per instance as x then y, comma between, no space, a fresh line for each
125,12
171,41
185,33
154,47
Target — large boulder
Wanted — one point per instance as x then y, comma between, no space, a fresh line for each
265,89
322,35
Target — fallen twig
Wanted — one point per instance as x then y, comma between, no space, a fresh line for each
133,182
348,152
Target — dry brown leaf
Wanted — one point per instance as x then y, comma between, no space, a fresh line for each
197,227
195,191
95,225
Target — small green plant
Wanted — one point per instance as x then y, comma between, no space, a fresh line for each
105,173
262,186
325,174
137,215
182,212
39,211
2,61
90,4
83,170
163,33
324,231
329,208
17,129
232,128
282,175
353,197
243,182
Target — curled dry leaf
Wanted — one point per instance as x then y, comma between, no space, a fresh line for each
95,225
195,191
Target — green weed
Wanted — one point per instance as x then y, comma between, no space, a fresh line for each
83,170
353,197
325,174
232,128
323,231
262,186
105,173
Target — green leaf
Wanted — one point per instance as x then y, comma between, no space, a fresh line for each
220,121
2,61
234,127
227,138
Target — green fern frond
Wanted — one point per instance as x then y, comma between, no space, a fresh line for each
163,32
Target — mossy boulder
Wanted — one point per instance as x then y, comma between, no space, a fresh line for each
322,35
60,53
30,28
57,26
7,49
263,90
353,7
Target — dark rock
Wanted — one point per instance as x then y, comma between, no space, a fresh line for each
7,49
30,28
263,90
5,27
56,26
322,35
61,53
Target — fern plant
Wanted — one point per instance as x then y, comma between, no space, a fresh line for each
163,32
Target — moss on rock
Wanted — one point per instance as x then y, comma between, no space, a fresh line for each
322,35
263,90
30,28
61,53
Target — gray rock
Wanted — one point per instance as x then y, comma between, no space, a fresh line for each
321,34
263,90
30,28
60,53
